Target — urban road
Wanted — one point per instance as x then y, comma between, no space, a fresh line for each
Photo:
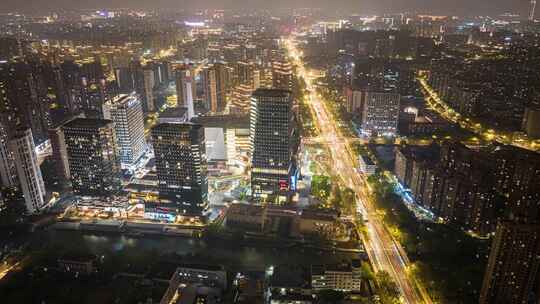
384,252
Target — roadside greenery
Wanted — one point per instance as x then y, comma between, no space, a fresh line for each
321,187
449,263
343,199
335,104
387,290
361,226
330,296
332,194
307,125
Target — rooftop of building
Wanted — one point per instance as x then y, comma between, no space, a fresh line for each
421,152
21,132
205,267
87,123
224,121
79,258
321,269
177,112
293,298
245,209
322,215
186,126
367,160
195,293
272,92
516,152
58,124
140,188
123,99
289,276
277,210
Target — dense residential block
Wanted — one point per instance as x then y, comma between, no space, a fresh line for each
512,271
473,188
28,170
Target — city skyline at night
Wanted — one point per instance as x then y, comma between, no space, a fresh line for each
251,152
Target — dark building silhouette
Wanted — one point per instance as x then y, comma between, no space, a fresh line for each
512,271
93,158
181,165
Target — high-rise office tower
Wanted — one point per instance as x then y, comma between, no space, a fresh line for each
8,174
149,83
136,72
241,99
166,71
380,113
59,152
5,105
127,114
22,99
232,52
186,90
282,75
93,96
159,72
256,81
28,171
181,165
245,72
93,159
215,82
67,77
533,9
10,47
274,142
125,79
512,271
92,69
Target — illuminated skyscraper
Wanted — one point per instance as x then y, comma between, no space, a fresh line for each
8,174
92,152
241,99
22,100
127,114
282,75
215,87
181,165
533,9
149,83
380,113
59,152
186,90
28,171
247,73
273,140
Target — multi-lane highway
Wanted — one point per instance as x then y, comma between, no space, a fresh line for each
6,269
382,249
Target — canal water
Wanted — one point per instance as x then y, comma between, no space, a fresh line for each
237,255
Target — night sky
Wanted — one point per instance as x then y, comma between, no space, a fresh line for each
361,6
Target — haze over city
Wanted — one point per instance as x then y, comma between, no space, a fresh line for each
359,6
270,152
